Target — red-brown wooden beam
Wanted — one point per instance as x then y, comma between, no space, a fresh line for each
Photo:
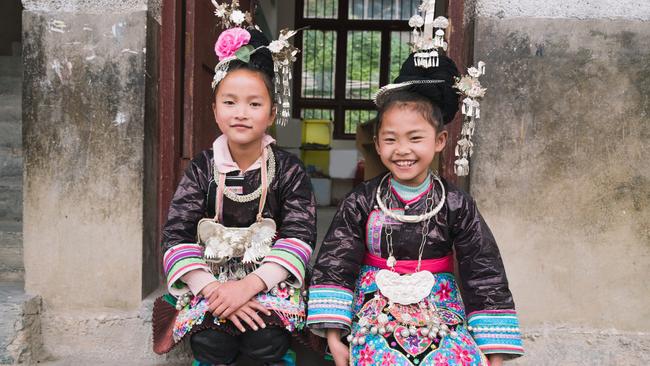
460,50
169,104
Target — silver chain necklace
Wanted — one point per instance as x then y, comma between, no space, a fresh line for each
243,198
391,261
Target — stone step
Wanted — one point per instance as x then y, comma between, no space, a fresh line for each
11,111
11,66
11,256
11,182
11,203
11,134
11,226
20,326
11,85
11,163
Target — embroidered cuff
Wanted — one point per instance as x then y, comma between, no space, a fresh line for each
293,255
179,260
496,331
329,304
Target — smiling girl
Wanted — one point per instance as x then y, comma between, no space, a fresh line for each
242,223
383,290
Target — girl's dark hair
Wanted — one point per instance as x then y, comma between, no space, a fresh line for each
415,101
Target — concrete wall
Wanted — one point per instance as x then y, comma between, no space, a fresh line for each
575,9
561,175
84,124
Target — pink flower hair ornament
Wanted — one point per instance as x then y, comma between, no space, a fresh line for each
233,44
230,41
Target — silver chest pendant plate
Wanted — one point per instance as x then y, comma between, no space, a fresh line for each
223,243
404,289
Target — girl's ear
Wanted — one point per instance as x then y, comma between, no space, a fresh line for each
274,111
376,141
214,111
441,141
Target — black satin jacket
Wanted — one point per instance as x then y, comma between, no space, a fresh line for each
458,226
290,201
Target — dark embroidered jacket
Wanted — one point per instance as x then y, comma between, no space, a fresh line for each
458,226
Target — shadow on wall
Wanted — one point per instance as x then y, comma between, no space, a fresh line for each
10,27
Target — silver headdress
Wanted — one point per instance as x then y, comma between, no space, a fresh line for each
284,55
470,89
232,44
425,43
424,71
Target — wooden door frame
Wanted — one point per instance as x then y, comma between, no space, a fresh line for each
170,104
461,49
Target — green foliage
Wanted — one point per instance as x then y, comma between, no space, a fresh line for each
321,9
319,61
354,118
362,66
363,59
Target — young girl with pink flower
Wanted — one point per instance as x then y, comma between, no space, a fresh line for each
242,223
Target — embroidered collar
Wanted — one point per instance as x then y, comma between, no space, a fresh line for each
224,161
408,194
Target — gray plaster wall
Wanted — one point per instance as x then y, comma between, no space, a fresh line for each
153,7
84,132
560,173
86,6
579,9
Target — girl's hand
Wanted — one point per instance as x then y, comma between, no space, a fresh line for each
339,350
209,288
495,359
248,313
232,295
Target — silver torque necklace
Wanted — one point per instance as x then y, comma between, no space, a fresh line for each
411,219
243,198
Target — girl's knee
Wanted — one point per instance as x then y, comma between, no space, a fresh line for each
214,347
266,345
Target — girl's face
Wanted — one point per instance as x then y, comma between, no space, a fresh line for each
243,108
407,144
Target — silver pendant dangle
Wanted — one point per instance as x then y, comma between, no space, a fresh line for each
391,261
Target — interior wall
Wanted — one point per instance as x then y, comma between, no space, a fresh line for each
10,26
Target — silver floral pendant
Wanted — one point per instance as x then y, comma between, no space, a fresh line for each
404,289
223,243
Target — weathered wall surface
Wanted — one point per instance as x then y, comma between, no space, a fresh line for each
84,131
560,172
87,6
577,9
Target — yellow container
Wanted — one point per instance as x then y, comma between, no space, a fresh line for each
317,162
316,131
